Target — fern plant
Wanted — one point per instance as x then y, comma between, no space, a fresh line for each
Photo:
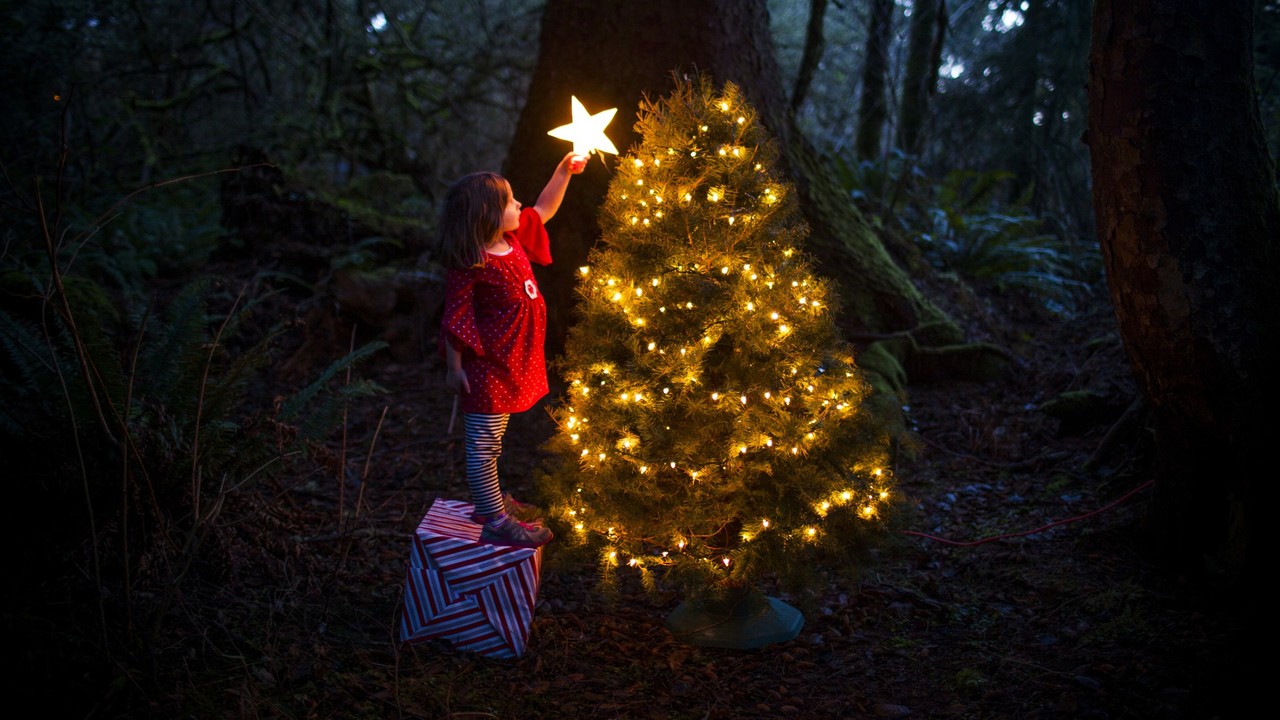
960,227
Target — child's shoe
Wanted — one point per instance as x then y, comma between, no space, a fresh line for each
507,531
524,512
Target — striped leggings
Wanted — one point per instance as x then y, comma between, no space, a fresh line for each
484,444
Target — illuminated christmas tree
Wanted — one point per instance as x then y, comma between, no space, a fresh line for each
713,424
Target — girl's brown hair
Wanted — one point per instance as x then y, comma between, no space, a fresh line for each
472,216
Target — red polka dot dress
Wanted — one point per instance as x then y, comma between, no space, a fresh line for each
496,317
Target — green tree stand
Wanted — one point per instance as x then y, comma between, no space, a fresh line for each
744,621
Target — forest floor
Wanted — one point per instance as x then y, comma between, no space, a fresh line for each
1067,617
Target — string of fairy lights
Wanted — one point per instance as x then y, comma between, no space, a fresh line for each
755,286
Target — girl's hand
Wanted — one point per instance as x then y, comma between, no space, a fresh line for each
574,163
456,381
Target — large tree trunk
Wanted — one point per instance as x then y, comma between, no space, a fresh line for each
1187,215
614,54
872,111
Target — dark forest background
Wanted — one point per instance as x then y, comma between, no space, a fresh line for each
217,260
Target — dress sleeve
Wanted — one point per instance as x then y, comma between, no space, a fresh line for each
532,236
459,324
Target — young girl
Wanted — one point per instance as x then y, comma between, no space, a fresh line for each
494,325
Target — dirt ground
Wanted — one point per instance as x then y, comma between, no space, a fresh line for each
1064,617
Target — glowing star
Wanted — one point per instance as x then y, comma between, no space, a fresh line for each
586,132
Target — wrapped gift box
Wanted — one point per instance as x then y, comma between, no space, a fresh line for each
477,596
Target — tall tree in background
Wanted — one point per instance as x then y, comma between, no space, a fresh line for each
1187,215
616,54
813,47
872,111
924,53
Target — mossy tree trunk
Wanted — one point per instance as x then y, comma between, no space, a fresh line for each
615,54
1187,216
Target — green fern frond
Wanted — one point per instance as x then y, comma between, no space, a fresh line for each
315,409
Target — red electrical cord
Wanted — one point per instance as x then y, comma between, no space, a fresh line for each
1042,528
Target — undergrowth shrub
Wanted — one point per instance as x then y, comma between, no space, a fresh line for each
131,412
959,226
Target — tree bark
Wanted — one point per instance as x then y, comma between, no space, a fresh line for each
615,54
920,80
1187,215
814,44
872,111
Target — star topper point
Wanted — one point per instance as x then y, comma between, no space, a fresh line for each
586,132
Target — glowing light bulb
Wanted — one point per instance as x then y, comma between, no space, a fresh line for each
725,560
584,270
764,522
811,531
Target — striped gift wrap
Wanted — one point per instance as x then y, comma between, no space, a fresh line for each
477,596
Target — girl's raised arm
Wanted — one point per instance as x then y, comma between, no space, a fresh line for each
551,195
